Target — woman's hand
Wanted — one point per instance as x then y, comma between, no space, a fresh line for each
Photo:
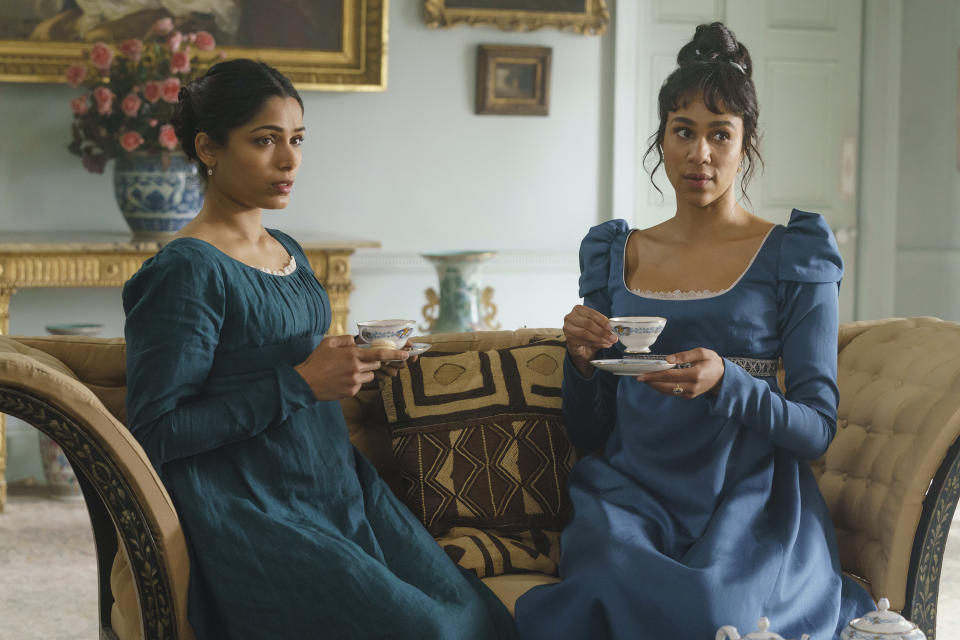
392,369
337,368
587,331
701,370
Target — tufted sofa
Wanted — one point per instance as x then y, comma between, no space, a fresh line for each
891,476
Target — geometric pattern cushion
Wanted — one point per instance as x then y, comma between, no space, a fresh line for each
492,553
479,440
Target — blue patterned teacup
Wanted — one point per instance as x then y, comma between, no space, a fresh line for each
391,334
637,333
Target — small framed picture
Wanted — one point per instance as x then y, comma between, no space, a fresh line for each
513,80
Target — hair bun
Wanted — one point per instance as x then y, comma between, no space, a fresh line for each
715,43
184,123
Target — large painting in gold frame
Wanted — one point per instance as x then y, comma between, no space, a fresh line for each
335,45
589,17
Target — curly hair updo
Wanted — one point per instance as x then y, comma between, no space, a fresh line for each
717,69
228,95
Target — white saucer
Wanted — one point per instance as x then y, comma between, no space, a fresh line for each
416,348
631,367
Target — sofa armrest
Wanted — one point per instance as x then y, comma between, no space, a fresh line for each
891,476
123,493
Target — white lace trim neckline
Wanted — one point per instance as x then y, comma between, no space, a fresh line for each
287,270
677,294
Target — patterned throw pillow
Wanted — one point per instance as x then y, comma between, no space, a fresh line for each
492,553
479,440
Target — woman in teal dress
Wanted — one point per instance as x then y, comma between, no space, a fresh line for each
233,392
698,508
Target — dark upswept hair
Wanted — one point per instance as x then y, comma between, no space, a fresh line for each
228,95
716,68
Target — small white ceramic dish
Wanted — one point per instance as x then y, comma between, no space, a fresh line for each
74,329
416,348
631,367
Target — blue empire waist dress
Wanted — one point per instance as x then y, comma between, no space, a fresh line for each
699,513
290,531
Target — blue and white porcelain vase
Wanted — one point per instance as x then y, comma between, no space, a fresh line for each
157,193
462,304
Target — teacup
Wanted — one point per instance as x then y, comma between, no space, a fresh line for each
637,333
391,334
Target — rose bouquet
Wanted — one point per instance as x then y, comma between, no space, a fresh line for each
131,93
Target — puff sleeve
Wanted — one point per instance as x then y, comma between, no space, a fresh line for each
175,308
803,420
589,404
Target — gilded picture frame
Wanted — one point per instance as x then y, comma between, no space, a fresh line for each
513,80
587,17
348,52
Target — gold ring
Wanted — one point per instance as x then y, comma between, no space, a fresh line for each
677,390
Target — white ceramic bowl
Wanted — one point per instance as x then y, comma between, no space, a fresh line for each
392,334
637,333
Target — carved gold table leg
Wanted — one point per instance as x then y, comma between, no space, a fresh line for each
333,267
5,295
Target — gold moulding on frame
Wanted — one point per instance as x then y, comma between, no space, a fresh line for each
357,63
589,17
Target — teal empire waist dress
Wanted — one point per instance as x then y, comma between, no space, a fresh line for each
696,513
291,533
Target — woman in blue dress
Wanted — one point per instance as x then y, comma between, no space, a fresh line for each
233,391
698,508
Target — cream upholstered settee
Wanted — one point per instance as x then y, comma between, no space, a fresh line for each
891,476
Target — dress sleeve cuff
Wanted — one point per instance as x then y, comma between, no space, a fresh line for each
295,393
729,398
571,372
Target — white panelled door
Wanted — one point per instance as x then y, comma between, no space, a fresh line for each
806,58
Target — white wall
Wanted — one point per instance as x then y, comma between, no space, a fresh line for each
412,167
928,221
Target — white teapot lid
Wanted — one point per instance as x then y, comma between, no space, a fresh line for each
883,621
763,634
763,624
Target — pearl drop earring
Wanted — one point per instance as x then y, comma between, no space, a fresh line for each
209,172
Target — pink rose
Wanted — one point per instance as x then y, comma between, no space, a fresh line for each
162,27
104,99
101,56
168,137
174,40
171,89
131,104
80,105
205,41
75,74
152,91
180,61
152,122
132,49
131,140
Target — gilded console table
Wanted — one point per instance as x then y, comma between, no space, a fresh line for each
84,259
